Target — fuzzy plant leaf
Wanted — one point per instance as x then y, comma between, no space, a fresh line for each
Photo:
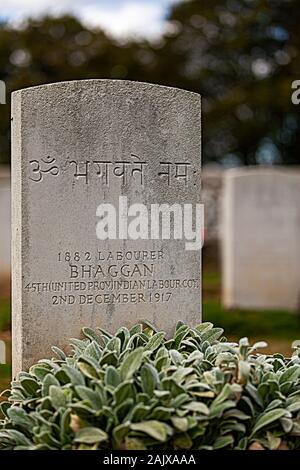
138,390
19,417
90,435
131,363
291,374
223,441
155,429
57,397
268,418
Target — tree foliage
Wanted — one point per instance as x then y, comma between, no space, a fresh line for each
242,56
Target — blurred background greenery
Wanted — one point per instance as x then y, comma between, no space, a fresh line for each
241,55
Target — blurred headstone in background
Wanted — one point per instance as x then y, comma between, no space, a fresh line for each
260,239
4,225
211,193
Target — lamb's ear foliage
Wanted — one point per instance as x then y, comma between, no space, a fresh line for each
137,390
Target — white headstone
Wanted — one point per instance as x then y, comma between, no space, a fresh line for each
5,217
261,239
77,145
211,193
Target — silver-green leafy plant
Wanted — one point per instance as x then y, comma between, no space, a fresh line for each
137,390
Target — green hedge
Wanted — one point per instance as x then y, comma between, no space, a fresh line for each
137,390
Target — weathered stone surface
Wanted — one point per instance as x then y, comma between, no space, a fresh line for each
261,233
4,223
69,140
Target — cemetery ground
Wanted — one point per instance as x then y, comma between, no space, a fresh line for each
278,328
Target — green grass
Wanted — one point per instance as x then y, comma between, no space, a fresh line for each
5,315
5,375
5,369
274,324
211,280
267,324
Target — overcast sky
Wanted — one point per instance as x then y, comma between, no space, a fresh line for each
120,18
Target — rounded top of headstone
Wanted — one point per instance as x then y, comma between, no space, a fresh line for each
108,86
262,171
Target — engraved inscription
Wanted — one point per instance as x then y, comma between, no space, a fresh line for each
120,277
123,170
78,170
39,168
178,170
